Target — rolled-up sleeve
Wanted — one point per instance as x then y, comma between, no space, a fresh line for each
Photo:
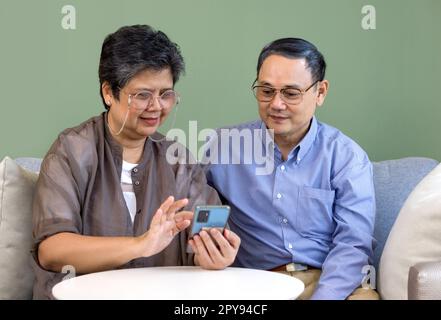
56,205
352,245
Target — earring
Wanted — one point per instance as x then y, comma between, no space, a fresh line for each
108,102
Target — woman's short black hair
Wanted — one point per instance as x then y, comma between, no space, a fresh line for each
132,49
296,48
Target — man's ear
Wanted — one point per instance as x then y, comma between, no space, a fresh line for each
322,92
106,91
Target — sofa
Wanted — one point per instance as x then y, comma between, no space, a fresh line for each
394,180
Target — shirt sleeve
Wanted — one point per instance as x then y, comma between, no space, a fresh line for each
200,193
56,205
352,245
192,184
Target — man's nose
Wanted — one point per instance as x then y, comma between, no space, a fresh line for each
277,103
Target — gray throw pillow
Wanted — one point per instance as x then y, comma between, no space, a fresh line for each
16,194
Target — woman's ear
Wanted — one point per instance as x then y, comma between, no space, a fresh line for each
106,91
322,92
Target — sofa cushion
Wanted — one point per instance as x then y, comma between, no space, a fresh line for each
414,238
30,164
16,193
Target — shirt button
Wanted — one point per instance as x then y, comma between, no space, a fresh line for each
282,168
136,183
290,245
279,196
135,170
285,220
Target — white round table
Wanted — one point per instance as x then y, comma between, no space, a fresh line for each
180,283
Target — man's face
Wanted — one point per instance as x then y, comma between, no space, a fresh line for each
288,121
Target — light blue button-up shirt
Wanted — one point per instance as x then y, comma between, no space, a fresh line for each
316,208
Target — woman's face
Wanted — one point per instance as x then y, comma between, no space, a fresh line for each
143,119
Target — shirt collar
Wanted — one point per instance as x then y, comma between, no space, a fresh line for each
307,141
117,150
300,150
267,138
114,145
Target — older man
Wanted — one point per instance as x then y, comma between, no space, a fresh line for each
312,216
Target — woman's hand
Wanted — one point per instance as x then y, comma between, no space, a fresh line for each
166,223
214,250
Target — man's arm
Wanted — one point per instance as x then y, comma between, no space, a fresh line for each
354,215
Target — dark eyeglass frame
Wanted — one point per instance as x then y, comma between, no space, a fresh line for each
282,92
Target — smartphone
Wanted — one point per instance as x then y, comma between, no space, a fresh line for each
207,217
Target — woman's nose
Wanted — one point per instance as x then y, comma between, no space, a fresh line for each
154,104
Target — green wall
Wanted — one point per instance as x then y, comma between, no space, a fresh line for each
384,82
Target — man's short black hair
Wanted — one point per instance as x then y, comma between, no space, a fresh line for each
133,49
296,48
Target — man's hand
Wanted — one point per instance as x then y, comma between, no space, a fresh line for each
166,223
214,250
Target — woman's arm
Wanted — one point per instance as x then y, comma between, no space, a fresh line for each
92,254
86,253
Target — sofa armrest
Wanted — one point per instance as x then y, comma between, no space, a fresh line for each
425,281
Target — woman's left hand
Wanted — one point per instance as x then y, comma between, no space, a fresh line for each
214,250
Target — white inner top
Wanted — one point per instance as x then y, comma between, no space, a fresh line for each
127,187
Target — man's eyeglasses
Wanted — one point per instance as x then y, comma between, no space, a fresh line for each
291,96
143,100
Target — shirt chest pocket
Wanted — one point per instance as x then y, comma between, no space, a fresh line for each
314,214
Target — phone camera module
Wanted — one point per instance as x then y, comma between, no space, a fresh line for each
203,216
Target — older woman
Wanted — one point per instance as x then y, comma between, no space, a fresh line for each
106,196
